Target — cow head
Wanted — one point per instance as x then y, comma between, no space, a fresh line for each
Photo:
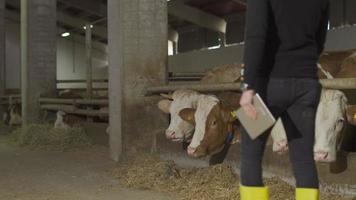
212,123
15,114
330,120
178,129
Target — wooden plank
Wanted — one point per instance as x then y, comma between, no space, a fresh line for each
103,102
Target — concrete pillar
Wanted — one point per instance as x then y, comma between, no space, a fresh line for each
38,55
2,48
88,47
137,59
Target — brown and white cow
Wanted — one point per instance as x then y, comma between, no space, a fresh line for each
330,123
178,129
214,124
329,127
65,121
223,74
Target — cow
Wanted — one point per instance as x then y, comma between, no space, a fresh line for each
12,116
65,121
348,67
329,127
338,65
278,133
223,74
215,125
330,123
178,129
332,61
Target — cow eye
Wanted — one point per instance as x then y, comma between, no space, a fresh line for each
213,123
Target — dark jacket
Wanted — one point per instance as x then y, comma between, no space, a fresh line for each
284,38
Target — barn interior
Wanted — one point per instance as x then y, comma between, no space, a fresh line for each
80,81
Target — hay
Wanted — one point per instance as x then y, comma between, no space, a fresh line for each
149,172
45,137
5,129
212,183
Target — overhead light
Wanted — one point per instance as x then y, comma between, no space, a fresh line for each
65,34
91,26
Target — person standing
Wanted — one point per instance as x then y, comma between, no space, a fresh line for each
283,42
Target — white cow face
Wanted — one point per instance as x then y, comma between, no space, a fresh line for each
330,120
178,129
205,105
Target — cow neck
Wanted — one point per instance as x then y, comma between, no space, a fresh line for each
231,127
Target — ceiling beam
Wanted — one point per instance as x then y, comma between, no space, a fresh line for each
90,6
241,2
180,10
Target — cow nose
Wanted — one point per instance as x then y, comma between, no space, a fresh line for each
321,156
170,134
191,151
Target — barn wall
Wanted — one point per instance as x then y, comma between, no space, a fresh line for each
341,39
13,64
201,61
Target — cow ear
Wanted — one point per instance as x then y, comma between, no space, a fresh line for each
187,114
164,105
351,114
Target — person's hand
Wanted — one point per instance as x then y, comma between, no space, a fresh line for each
246,104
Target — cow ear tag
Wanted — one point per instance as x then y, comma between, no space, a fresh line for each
234,114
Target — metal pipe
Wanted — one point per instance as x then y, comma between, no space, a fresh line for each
196,87
103,102
82,81
24,47
88,45
337,84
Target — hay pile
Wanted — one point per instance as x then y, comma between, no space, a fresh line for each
212,183
45,137
149,172
4,129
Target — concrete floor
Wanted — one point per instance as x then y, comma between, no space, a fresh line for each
82,175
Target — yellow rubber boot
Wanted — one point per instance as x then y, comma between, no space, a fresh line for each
306,194
253,193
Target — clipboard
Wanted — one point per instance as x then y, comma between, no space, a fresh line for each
264,121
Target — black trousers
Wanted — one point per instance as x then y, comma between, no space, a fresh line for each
295,100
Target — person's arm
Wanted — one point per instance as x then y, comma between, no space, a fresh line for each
323,29
255,38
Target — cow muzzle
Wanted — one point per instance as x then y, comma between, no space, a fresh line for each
323,156
192,151
171,135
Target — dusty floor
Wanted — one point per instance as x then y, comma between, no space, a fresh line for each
82,175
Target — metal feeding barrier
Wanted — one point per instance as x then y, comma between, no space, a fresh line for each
71,106
338,84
